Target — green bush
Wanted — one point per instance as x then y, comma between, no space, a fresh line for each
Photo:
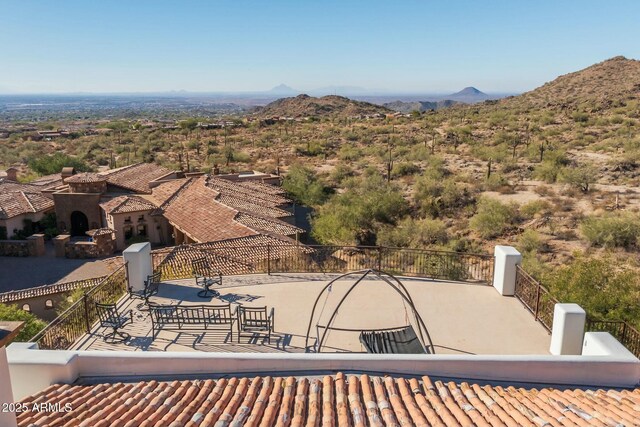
48,164
404,169
354,216
535,207
305,187
32,325
612,230
411,233
530,241
436,196
492,218
603,288
580,177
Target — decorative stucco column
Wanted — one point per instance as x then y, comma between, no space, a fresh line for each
139,266
568,329
504,269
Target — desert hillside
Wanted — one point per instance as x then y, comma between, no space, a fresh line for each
327,106
607,84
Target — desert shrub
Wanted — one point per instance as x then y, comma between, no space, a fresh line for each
530,241
340,173
534,207
612,230
603,288
580,117
413,233
32,325
404,169
492,218
436,197
550,168
496,182
547,171
580,177
305,187
354,216
349,152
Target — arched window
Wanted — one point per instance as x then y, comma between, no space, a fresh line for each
26,307
48,304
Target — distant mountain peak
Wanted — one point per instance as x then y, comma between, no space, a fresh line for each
283,89
470,90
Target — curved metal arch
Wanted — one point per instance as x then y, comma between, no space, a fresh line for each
398,287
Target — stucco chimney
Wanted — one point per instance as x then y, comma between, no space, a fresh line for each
12,174
67,172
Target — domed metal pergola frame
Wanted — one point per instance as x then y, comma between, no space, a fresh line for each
386,278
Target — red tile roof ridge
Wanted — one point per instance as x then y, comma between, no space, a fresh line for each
55,288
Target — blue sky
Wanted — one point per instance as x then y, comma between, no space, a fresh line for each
402,46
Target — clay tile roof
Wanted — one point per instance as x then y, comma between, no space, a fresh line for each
125,204
18,203
194,210
242,255
136,177
258,196
261,223
48,180
263,188
7,186
249,205
330,400
56,288
85,177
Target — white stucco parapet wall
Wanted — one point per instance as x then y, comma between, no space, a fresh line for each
32,370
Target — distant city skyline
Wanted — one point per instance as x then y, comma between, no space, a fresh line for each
250,46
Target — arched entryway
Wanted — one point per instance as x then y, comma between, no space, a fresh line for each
79,223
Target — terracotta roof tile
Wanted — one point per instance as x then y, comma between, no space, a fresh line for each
13,186
334,400
19,202
233,256
85,177
263,188
249,205
125,204
196,210
136,177
196,213
261,223
249,193
56,288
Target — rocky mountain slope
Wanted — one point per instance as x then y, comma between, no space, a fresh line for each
608,84
326,106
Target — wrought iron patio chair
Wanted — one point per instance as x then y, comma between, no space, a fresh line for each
151,287
111,318
255,319
206,277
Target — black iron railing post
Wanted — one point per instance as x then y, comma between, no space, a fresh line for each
623,339
379,257
86,313
268,259
537,302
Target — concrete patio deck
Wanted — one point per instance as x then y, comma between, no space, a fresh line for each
461,318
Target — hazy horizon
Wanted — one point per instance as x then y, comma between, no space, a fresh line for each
415,47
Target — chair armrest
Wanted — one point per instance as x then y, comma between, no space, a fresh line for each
272,313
